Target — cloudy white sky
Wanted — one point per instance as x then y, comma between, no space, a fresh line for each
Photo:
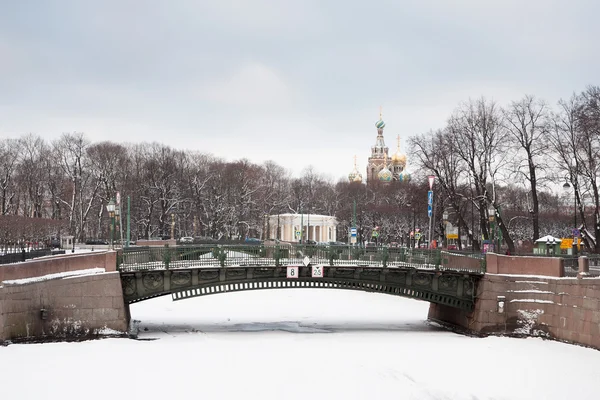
298,82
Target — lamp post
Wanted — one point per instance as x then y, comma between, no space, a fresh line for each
110,207
117,223
413,240
278,228
566,187
492,219
445,217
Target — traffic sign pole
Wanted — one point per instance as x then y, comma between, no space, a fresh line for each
431,179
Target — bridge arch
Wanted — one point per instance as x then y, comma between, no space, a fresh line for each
450,288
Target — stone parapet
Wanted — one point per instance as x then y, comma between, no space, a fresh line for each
59,263
523,265
154,243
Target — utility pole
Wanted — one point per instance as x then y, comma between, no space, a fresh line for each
128,221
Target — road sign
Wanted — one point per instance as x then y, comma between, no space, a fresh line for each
118,198
418,235
429,211
306,261
430,197
353,232
317,271
292,272
297,234
352,239
431,178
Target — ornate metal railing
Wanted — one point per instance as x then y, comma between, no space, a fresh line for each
159,258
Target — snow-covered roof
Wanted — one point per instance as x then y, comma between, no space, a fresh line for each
548,238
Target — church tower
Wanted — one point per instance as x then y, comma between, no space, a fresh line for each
379,153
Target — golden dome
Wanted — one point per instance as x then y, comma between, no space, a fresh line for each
398,158
355,176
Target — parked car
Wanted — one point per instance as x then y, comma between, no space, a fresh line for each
187,239
337,244
309,241
250,240
96,241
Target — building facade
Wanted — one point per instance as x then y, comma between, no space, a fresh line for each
291,227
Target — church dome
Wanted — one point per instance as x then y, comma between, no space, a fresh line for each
355,176
385,175
399,159
404,177
380,124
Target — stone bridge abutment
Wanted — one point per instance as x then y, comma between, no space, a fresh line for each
518,301
38,301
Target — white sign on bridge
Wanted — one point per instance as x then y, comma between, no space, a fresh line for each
292,272
318,271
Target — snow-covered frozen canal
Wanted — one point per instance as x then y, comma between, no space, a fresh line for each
297,344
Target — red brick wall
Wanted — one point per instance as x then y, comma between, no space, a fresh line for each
565,309
517,265
76,307
59,263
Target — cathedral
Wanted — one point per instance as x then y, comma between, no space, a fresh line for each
381,167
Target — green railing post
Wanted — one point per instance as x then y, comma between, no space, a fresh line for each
385,256
166,256
277,255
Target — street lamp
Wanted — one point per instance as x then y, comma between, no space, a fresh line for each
567,187
110,207
445,218
413,241
492,218
118,223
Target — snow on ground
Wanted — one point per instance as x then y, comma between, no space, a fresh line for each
297,344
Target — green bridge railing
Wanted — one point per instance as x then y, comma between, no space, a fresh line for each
192,256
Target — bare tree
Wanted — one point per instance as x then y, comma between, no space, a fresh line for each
527,122
434,152
479,139
9,157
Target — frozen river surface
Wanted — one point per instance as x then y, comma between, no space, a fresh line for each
297,344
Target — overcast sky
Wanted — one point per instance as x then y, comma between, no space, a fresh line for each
297,82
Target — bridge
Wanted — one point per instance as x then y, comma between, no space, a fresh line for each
84,295
191,271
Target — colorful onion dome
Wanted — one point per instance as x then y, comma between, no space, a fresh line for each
385,175
404,177
380,124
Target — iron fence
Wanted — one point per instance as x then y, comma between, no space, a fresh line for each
149,258
14,254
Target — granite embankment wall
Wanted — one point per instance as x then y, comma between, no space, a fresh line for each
566,309
62,308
